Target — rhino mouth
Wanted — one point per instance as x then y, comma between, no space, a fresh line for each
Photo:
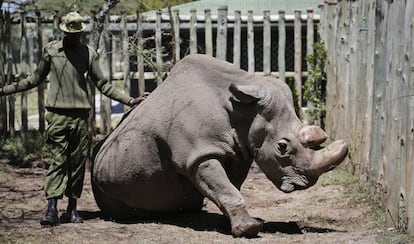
296,179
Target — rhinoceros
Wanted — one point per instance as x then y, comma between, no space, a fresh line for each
197,135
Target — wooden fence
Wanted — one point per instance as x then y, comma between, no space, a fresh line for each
370,101
121,34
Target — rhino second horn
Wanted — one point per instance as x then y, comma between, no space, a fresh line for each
312,136
328,158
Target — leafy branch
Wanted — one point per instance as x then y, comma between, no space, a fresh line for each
315,85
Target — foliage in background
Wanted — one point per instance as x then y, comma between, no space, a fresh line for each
25,147
315,85
157,4
86,6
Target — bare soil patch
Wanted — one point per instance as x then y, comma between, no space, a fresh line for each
322,214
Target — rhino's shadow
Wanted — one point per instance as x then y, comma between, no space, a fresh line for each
205,221
293,228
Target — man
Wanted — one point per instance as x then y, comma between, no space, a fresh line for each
68,63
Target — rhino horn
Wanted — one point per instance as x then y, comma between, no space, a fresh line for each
329,157
312,136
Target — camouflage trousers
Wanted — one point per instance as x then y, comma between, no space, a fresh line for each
67,138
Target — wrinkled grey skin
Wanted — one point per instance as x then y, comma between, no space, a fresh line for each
197,135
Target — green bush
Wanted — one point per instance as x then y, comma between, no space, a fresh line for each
315,85
25,147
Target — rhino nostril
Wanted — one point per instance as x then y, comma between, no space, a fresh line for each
316,148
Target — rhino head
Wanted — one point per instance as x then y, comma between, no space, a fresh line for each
285,149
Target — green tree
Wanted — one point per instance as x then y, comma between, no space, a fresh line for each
86,6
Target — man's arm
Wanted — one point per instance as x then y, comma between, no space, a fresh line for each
103,85
33,80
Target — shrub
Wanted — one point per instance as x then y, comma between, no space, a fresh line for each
315,85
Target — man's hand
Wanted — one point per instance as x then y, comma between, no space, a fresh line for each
138,100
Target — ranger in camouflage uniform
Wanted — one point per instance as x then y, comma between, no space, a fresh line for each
68,63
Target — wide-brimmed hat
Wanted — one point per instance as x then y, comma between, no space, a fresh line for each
72,23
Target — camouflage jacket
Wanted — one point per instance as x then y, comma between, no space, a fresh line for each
68,69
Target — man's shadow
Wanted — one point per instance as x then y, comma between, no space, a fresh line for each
205,221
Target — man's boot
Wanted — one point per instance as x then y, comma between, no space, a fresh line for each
51,218
72,213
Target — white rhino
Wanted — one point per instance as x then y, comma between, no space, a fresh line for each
197,135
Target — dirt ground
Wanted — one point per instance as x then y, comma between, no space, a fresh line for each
322,214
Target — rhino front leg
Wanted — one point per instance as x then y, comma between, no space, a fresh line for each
212,180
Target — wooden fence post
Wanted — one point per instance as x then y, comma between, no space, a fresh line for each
41,87
93,42
176,17
56,32
237,38
140,55
3,103
322,22
331,103
282,46
368,131
24,68
342,45
193,31
352,63
115,54
378,139
266,42
209,32
106,60
362,86
250,43
410,117
221,43
298,55
10,77
309,33
309,52
125,53
406,148
392,118
158,47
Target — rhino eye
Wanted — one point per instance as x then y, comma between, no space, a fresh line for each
282,146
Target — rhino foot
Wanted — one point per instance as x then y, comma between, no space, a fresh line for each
249,228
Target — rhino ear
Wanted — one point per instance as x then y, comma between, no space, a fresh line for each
246,93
